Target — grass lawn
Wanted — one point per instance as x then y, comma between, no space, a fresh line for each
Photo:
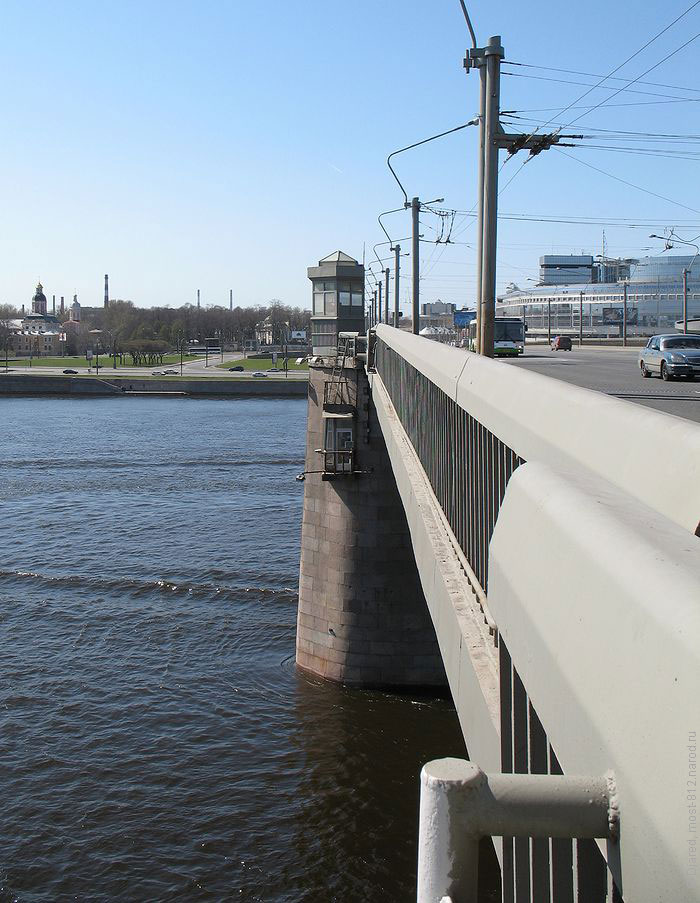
263,363
78,362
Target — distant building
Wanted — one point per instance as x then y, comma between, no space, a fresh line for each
652,287
37,333
437,309
560,269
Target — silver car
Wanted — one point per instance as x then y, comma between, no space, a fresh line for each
670,356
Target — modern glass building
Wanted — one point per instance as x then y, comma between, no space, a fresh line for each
654,300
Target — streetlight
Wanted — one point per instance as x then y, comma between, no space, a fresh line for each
669,239
96,333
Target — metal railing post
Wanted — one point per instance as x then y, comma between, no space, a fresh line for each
459,804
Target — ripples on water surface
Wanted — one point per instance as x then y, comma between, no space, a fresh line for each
156,741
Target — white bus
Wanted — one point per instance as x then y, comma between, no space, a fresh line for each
508,336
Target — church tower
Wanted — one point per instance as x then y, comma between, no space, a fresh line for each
39,301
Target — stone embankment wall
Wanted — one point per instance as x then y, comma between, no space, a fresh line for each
26,384
362,617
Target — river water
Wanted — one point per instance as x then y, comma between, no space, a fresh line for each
156,740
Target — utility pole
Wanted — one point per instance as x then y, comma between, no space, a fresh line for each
624,315
397,255
549,321
374,307
685,301
379,289
415,254
386,295
494,54
230,299
580,319
492,138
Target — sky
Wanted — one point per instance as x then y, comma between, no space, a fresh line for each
230,145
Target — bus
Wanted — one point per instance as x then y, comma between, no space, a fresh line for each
508,336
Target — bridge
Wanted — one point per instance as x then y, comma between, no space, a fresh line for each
535,545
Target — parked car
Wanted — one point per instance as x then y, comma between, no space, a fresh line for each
71,372
170,373
561,343
238,369
260,374
670,356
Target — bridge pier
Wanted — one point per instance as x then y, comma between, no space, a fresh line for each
362,618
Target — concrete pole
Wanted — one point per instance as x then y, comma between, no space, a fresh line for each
685,301
397,255
386,295
480,205
549,320
493,53
624,315
379,289
580,319
415,254
374,308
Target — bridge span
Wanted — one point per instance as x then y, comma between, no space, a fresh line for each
535,544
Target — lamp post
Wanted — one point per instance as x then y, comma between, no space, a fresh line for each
686,270
96,333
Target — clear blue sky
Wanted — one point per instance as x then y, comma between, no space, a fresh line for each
216,145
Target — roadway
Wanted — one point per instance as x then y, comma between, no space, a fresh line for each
614,371
195,367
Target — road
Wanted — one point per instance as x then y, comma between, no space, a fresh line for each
190,368
614,371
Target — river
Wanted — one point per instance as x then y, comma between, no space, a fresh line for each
157,742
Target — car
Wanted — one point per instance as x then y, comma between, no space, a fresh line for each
170,373
70,372
561,343
671,356
157,373
238,369
260,375
273,369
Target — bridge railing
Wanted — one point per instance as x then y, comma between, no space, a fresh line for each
473,421
473,424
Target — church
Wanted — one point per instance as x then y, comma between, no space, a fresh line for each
38,332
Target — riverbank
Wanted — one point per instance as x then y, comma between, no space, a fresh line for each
201,387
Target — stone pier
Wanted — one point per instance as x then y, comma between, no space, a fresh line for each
362,617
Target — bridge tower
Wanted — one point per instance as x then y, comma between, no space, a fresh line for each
362,617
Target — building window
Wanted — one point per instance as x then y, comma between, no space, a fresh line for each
339,445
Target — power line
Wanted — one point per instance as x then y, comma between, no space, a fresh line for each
646,72
639,103
632,56
563,81
625,182
605,78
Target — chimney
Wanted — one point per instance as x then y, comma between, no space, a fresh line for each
197,299
23,310
230,299
106,290
53,301
63,306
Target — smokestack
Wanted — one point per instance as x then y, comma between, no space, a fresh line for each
23,310
197,299
230,299
106,290
53,302
63,306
